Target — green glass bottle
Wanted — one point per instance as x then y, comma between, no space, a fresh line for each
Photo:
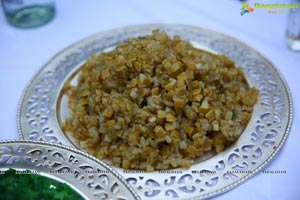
28,13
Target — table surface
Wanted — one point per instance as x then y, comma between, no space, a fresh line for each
23,52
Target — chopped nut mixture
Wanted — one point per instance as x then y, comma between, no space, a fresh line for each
158,103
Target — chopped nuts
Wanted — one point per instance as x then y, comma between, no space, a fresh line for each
170,117
108,112
157,103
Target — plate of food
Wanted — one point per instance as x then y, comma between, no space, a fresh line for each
41,170
179,111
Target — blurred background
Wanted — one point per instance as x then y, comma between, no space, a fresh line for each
24,51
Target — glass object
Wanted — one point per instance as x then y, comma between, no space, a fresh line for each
28,13
293,27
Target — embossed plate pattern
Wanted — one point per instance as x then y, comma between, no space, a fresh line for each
43,107
91,178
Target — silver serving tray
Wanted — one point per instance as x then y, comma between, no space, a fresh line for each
91,178
43,107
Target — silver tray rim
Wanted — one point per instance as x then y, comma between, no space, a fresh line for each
87,157
227,37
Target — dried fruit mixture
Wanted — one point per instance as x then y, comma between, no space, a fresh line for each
157,103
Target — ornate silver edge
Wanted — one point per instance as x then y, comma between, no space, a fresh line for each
272,156
130,191
287,130
240,181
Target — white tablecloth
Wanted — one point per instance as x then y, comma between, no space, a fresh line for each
23,52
